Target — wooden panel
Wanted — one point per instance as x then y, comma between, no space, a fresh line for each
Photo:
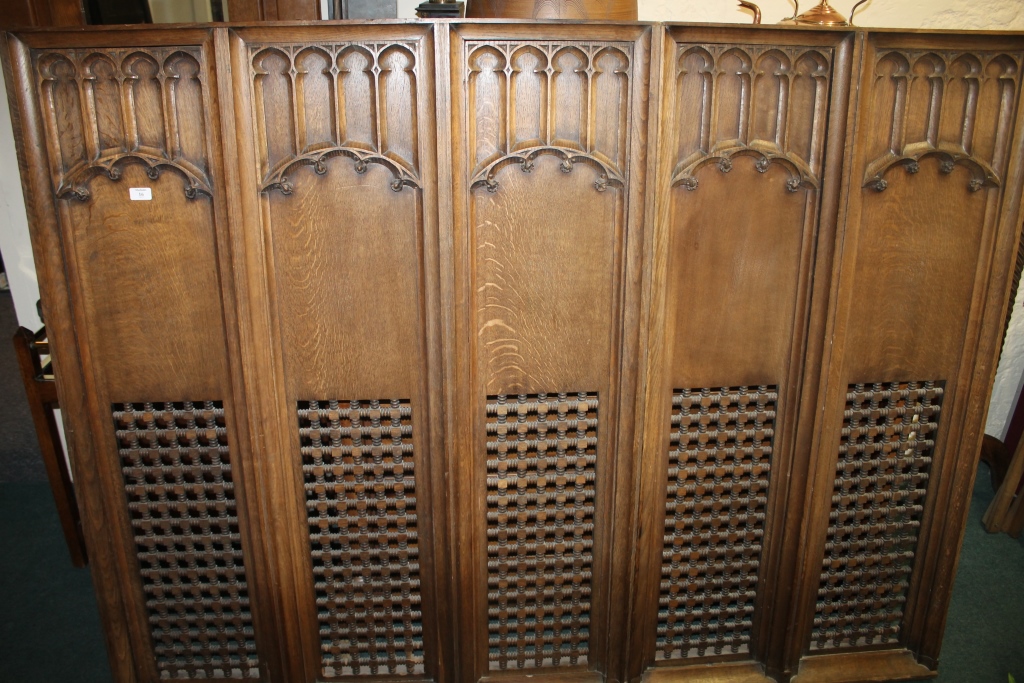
273,10
930,171
18,14
546,135
102,110
337,126
344,212
730,314
41,13
131,151
758,114
360,291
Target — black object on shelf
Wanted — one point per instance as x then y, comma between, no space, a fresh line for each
441,10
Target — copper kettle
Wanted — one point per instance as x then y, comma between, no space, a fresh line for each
822,14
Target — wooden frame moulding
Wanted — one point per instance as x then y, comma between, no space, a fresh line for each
619,162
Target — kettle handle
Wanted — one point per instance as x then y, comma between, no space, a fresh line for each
854,10
757,10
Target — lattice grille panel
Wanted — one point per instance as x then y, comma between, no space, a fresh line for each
719,462
358,468
885,453
177,475
541,471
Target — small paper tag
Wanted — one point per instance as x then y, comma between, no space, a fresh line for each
140,194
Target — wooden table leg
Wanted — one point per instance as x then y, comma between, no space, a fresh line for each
42,400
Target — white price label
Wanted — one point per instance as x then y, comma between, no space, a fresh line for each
140,194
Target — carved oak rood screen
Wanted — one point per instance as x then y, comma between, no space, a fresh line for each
473,352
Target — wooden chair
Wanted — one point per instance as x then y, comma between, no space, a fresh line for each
1006,511
37,375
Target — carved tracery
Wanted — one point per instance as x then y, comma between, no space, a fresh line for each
566,99
741,100
354,100
105,109
931,104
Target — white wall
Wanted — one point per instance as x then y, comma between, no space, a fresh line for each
14,242
950,14
955,14
1010,375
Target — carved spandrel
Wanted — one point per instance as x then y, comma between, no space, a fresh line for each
761,101
954,105
344,99
105,108
568,99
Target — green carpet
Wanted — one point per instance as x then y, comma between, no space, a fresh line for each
49,626
984,638
50,632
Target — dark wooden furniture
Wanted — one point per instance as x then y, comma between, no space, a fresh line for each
1006,511
23,13
273,10
508,351
33,351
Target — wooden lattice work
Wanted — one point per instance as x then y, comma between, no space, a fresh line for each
357,464
177,475
885,454
541,471
719,462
